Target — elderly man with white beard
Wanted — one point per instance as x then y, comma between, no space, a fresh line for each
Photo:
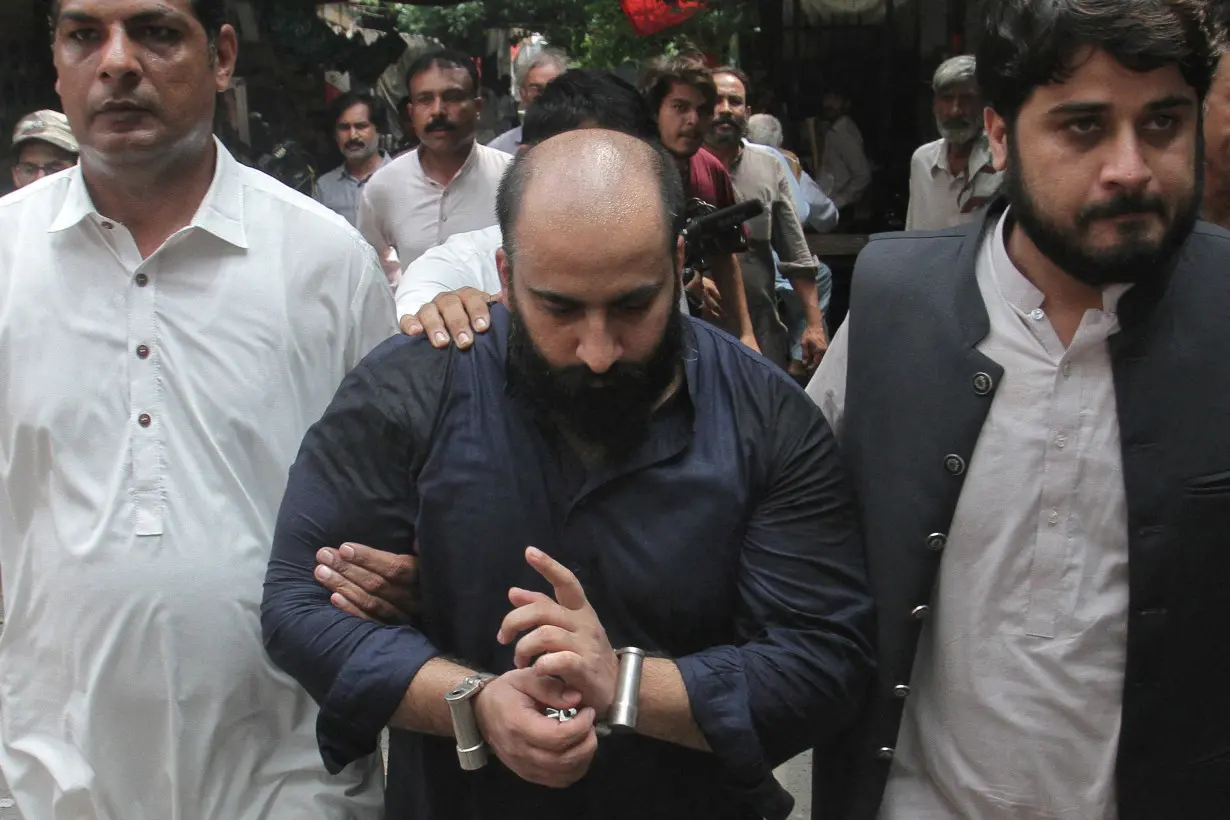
952,179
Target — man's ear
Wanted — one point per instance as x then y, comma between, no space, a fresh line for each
226,56
505,266
997,137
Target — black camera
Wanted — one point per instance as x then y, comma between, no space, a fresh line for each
709,232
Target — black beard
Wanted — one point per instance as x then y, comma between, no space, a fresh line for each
722,139
612,411
1134,261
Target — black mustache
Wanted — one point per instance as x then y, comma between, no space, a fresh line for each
440,125
356,144
1122,205
725,119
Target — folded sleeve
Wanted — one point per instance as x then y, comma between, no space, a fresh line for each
804,613
353,481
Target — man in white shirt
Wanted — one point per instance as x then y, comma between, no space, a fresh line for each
545,67
953,178
171,323
845,173
446,186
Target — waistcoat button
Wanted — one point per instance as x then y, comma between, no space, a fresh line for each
936,541
885,753
954,464
919,613
901,691
983,383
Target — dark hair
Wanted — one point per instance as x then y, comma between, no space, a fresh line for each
581,97
210,13
740,75
1031,43
521,171
662,74
443,58
375,112
1218,26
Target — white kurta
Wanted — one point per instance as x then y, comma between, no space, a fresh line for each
149,413
1016,694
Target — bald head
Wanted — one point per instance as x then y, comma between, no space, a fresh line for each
590,187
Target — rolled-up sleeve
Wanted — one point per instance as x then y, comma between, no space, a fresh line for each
803,610
352,481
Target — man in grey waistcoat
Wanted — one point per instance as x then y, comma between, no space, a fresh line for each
1035,410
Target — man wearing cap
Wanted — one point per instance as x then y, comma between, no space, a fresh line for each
43,144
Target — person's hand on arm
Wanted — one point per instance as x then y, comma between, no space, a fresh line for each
369,583
452,317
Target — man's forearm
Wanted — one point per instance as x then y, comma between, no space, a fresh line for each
805,287
423,709
729,278
665,710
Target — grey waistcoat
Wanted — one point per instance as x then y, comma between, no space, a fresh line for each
917,395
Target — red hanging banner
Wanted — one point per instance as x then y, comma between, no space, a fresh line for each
651,16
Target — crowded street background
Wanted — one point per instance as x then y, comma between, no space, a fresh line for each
542,410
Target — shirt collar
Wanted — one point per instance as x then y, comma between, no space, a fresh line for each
979,157
1019,292
221,211
461,172
344,173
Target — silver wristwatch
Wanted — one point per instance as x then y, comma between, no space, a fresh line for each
471,748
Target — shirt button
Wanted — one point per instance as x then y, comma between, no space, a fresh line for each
1037,315
919,613
1067,369
901,691
1061,441
954,464
936,541
1053,518
142,352
885,753
144,420
108,225
141,279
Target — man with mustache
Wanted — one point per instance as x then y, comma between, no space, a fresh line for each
681,95
757,174
1033,407
358,138
953,178
690,498
447,185
171,322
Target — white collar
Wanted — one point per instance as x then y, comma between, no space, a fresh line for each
1016,287
221,211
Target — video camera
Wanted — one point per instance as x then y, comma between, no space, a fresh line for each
709,232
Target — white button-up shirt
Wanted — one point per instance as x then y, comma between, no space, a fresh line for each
1016,694
149,413
845,173
404,210
941,199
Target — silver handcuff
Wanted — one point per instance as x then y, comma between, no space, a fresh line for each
624,709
